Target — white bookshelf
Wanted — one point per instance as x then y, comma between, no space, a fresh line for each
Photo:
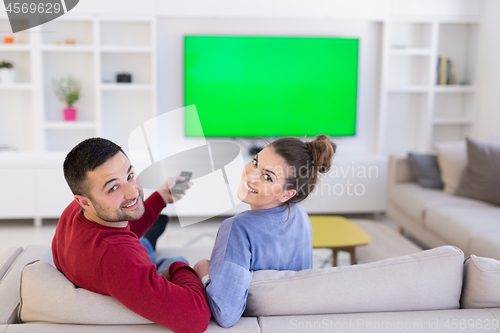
17,100
126,46
415,112
93,50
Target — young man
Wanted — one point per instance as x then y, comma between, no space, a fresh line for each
97,247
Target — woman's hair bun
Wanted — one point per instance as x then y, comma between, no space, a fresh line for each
322,150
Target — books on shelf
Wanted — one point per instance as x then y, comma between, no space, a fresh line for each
445,71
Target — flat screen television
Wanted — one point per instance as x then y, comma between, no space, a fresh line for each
270,86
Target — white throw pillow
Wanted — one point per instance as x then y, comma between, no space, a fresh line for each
481,283
48,296
452,160
427,280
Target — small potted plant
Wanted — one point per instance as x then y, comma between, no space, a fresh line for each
7,73
68,91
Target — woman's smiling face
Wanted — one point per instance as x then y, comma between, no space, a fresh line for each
263,180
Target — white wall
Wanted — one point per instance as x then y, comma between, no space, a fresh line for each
170,55
489,73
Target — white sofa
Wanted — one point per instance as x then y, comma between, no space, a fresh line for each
437,218
416,293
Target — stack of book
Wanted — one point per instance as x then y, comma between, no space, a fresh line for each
445,72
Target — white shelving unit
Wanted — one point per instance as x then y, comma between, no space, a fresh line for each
415,112
102,47
126,46
17,100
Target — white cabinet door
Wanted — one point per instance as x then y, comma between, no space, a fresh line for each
52,192
17,197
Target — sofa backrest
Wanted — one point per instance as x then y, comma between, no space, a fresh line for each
427,280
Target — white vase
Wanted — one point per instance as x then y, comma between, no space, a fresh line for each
7,76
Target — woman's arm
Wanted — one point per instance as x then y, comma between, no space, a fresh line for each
230,274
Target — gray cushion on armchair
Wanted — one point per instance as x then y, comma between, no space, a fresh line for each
425,168
481,179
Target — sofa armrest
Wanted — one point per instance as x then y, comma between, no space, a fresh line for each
7,258
9,284
399,170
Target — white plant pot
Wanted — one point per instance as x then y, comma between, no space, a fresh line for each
7,76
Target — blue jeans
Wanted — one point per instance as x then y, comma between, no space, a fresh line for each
163,263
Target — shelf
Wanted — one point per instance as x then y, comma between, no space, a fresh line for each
454,89
415,112
409,70
410,51
31,114
70,125
68,48
81,31
126,87
411,35
15,87
15,47
409,89
126,49
453,121
117,33
138,65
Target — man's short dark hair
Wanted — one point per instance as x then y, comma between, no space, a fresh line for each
84,157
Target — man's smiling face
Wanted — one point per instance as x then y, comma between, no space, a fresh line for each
114,194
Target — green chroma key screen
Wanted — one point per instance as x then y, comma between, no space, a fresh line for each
270,86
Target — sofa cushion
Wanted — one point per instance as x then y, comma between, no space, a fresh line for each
486,244
47,295
452,160
427,280
481,179
426,170
458,224
481,287
415,200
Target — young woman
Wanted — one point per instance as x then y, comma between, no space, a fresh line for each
275,234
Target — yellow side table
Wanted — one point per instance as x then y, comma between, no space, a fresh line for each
337,233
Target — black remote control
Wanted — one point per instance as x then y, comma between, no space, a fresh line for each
180,187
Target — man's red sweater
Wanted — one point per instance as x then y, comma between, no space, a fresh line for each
112,261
